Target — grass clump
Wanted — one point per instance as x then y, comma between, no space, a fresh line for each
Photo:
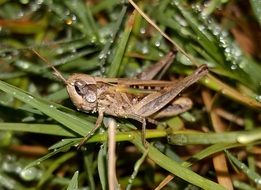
215,145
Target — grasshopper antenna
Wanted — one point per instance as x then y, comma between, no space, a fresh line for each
57,73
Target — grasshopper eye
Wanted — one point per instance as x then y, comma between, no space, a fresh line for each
87,91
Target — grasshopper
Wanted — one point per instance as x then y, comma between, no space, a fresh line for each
140,99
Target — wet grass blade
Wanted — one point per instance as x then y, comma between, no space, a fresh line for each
72,122
119,54
73,185
175,167
254,176
49,129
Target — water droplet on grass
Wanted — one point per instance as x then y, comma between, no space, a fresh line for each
28,174
157,43
258,98
145,50
142,30
233,67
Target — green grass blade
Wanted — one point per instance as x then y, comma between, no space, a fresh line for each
74,123
73,185
256,5
106,49
102,166
175,167
254,176
82,11
190,137
52,167
88,165
49,129
119,54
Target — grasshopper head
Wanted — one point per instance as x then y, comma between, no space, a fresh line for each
82,90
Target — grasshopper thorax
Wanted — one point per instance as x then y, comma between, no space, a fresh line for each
82,90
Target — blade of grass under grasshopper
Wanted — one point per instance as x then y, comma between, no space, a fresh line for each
49,129
175,167
188,137
74,123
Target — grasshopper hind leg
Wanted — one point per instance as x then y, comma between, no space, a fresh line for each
143,133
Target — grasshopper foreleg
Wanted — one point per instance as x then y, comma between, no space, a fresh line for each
96,127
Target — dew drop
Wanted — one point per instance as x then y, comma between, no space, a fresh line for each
39,2
228,50
102,56
161,54
258,98
24,1
142,30
31,97
201,28
103,69
111,41
28,174
145,50
59,51
74,18
180,20
93,39
258,181
69,21
242,64
157,43
233,67
23,64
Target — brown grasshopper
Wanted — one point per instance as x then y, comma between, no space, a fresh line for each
139,99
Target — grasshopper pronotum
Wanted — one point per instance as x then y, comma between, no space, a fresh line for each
139,99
